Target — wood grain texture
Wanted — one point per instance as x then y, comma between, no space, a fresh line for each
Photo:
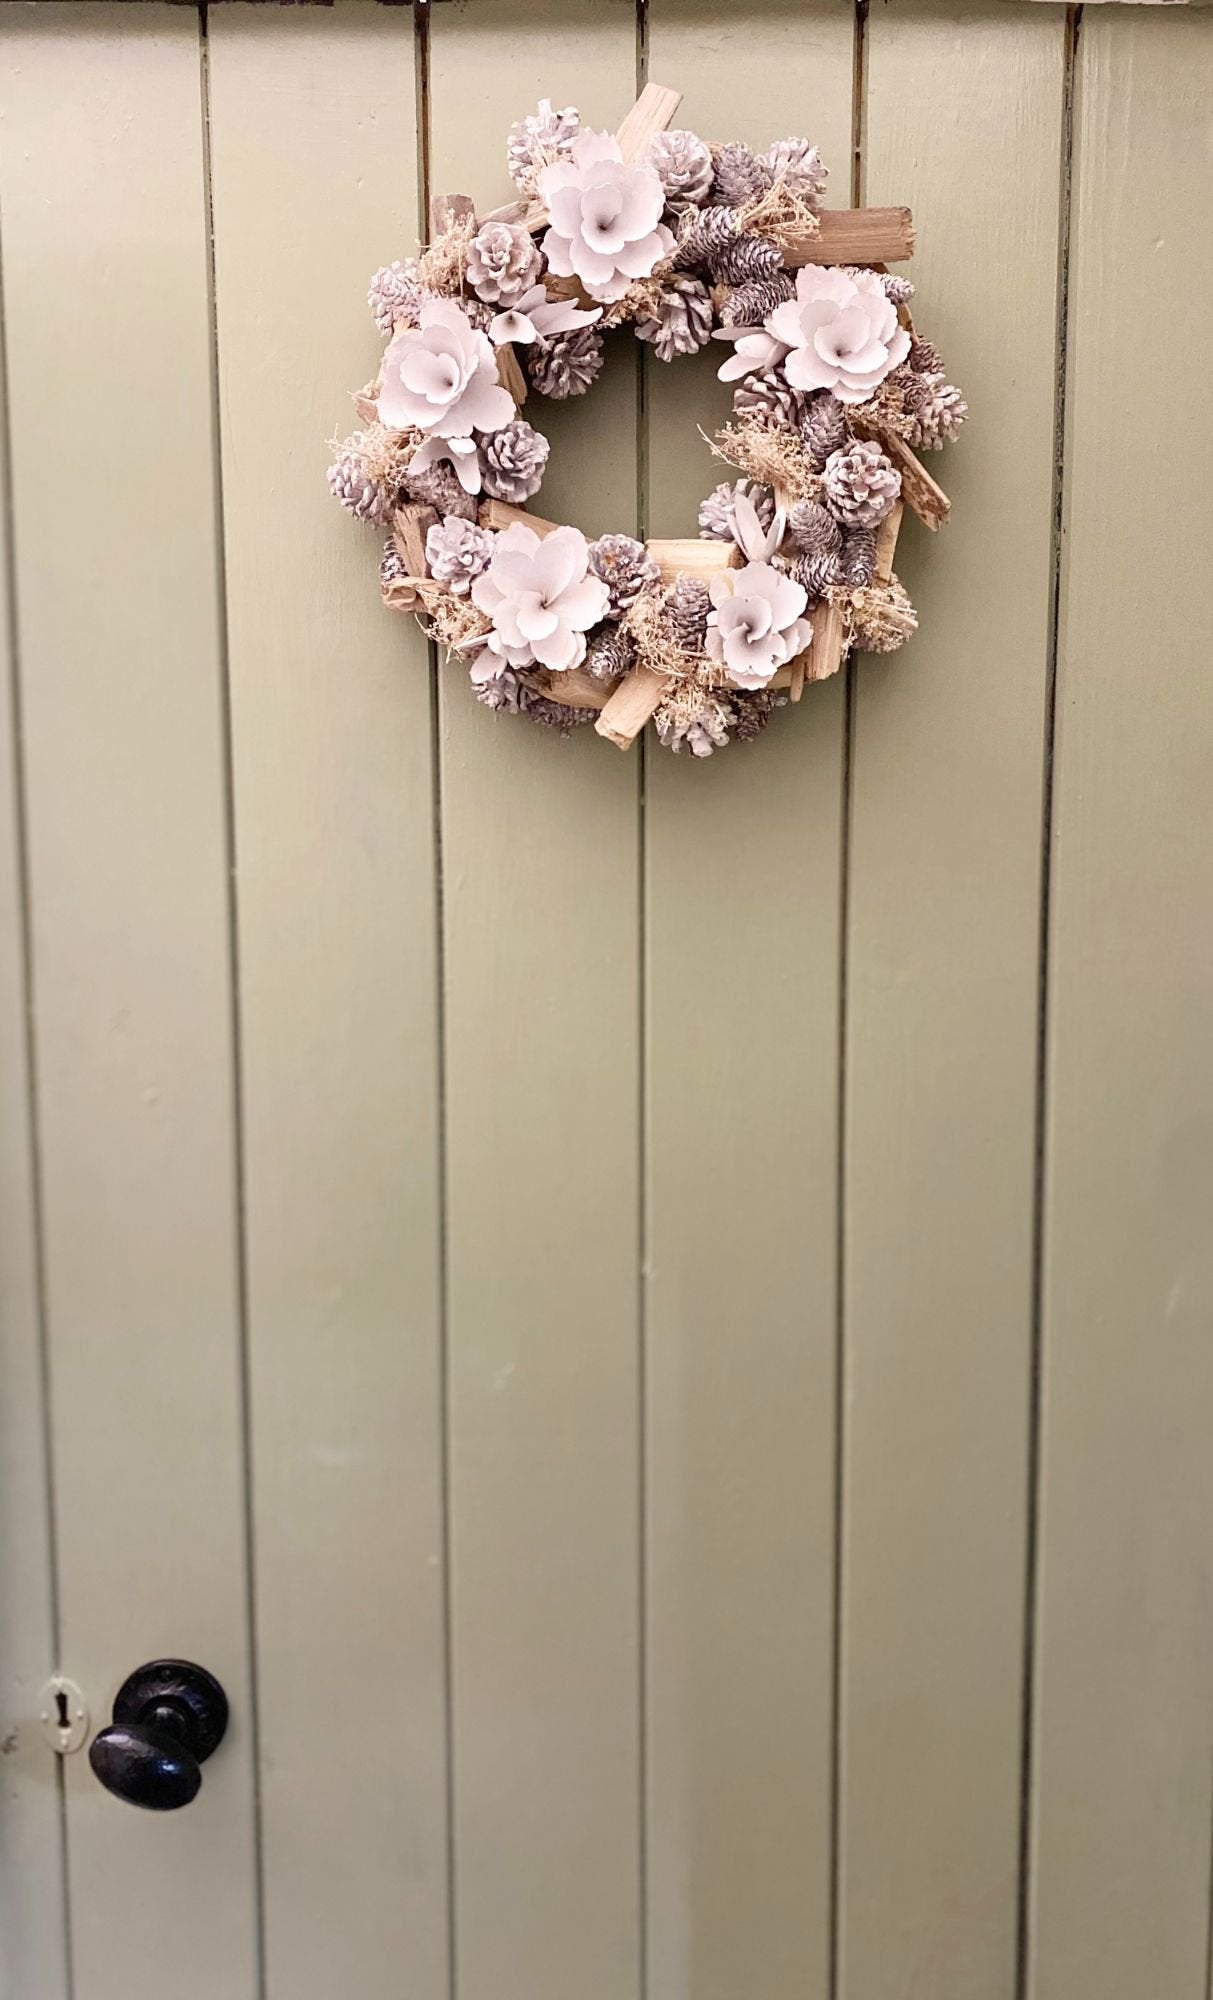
742,988
313,164
1124,1737
941,1036
101,176
540,850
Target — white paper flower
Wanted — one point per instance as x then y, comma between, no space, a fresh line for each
842,332
755,352
541,600
441,377
755,626
535,316
606,217
462,453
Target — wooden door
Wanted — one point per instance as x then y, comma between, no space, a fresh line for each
650,1321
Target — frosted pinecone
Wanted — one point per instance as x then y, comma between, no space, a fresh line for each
899,290
859,558
812,529
392,566
936,410
750,304
625,566
924,357
559,715
716,512
366,487
705,238
611,652
683,321
818,573
683,165
685,611
768,399
824,428
502,261
535,142
504,692
739,176
513,461
700,728
746,260
439,487
565,364
798,165
394,294
753,712
457,552
861,484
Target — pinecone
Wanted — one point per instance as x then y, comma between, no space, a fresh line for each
457,552
813,529
925,358
535,142
366,489
610,653
683,165
697,720
899,290
503,693
936,412
683,322
750,304
753,712
824,428
513,461
502,261
861,484
551,714
438,486
798,165
625,566
818,573
859,558
704,238
566,363
394,294
739,176
746,260
768,399
392,566
716,512
685,610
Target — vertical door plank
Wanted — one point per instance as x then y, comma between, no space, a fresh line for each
104,221
540,854
744,882
314,184
963,106
1124,1736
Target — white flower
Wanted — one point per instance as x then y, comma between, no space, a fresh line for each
535,316
542,602
606,217
755,352
842,332
463,453
441,377
755,626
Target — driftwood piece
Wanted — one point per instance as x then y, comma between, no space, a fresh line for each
650,114
886,543
693,557
629,708
577,688
856,236
410,525
919,491
448,209
510,375
824,656
503,514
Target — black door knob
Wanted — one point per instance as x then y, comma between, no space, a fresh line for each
168,1717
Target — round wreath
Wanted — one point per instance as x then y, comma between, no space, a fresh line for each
689,242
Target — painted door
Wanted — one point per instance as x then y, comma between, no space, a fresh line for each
650,1323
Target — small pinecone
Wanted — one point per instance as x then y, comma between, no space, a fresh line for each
685,610
559,715
566,363
753,712
502,261
439,487
739,176
457,552
625,566
683,322
861,484
513,461
747,260
355,487
683,165
769,400
899,290
750,304
705,239
535,142
824,428
798,165
925,357
503,692
610,653
813,529
716,512
818,573
859,558
936,412
394,294
392,566
699,724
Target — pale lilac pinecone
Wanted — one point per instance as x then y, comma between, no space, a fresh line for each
705,238
750,304
739,176
535,142
899,290
610,653
566,363
859,558
502,261
683,322
753,712
394,294
683,165
438,486
702,732
938,410
457,552
716,512
392,566
818,573
799,166
355,488
813,530
625,566
861,484
513,461
503,693
823,429
685,611
747,260
768,399
924,357
551,714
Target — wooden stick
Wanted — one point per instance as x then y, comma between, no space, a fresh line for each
577,689
448,209
510,375
650,114
824,656
856,236
693,557
503,514
411,524
629,708
886,543
919,491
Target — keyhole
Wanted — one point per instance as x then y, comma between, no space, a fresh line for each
62,1715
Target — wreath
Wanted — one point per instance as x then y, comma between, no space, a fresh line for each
688,242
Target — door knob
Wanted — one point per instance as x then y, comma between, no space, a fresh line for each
168,1717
